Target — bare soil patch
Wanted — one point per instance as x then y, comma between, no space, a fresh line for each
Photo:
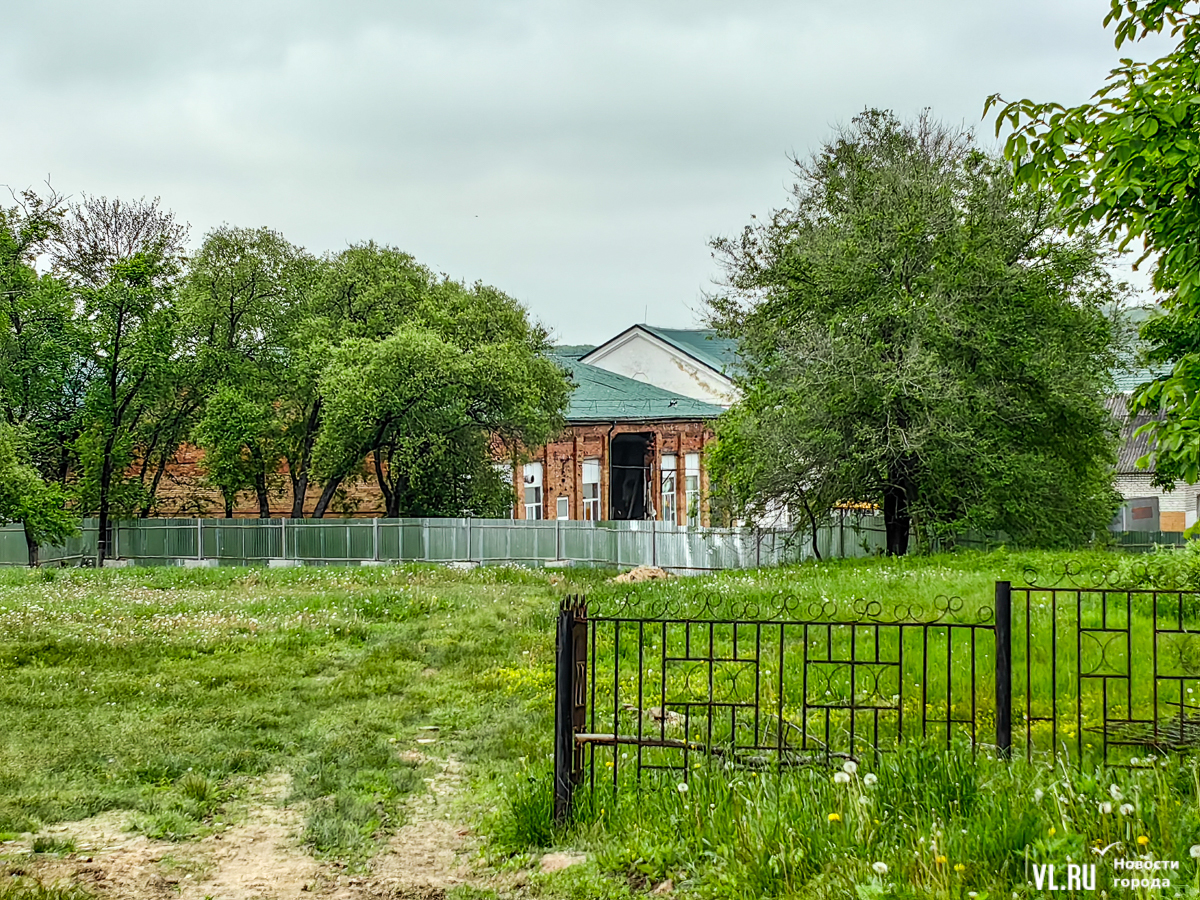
261,857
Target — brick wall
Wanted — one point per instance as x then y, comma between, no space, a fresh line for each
182,491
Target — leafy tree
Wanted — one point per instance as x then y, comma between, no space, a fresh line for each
1125,164
122,261
460,368
43,364
233,433
26,498
243,294
918,334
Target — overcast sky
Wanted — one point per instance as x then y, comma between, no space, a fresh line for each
579,156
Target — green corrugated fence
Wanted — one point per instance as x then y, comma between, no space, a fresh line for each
481,541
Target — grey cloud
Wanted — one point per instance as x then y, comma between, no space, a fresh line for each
578,155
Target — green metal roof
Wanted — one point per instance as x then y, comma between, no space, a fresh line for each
572,351
1131,371
701,344
602,396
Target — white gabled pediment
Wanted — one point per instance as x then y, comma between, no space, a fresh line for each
638,354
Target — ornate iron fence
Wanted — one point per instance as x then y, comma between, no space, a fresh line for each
1083,664
652,690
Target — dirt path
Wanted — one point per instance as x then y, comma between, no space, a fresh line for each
260,858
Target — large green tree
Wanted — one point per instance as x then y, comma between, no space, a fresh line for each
916,333
428,374
44,368
1127,165
240,302
122,261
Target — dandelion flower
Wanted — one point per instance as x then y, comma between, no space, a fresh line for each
1143,840
959,868
841,778
941,860
1105,808
879,867
1115,792
849,767
869,779
1125,809
834,817
683,788
1194,851
1053,831
864,799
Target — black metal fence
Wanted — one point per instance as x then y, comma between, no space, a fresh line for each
1109,664
1085,664
656,690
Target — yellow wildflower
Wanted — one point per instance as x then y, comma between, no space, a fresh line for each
1143,840
959,868
941,860
834,817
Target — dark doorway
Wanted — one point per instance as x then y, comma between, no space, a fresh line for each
629,475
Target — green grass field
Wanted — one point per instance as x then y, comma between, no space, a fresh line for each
161,693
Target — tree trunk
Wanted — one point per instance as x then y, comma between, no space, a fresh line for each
897,520
32,547
228,505
299,490
264,501
326,496
812,521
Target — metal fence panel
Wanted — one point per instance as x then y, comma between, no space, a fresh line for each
676,548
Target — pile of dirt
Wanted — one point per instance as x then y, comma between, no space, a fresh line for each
642,573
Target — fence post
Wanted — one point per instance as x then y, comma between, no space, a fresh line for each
1004,668
199,538
375,538
569,697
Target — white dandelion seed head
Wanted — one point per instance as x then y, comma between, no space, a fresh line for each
683,788
1194,851
841,778
849,767
864,799
870,780
1105,808
1038,794
879,867
1126,809
1115,792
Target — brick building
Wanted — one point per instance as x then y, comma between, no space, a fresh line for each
631,450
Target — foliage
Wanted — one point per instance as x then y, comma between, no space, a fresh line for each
244,292
917,333
26,498
43,362
1125,163
458,368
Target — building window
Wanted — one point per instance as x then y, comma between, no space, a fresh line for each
591,490
692,487
564,508
669,502
533,490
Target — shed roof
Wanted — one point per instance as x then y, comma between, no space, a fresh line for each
1133,447
603,396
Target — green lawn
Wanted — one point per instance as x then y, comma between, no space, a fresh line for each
159,692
